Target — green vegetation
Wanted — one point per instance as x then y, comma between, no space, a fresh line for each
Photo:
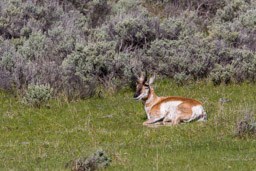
56,54
37,95
79,47
49,138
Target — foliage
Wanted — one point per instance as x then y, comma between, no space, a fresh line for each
94,162
171,57
134,32
35,48
7,56
95,61
37,95
78,47
246,125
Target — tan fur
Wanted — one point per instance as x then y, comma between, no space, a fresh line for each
184,107
153,105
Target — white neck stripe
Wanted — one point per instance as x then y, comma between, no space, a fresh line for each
150,99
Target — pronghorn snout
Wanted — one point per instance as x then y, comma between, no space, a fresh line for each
136,94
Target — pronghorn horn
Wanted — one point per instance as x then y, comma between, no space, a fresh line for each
141,77
146,77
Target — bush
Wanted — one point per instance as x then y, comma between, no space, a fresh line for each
166,8
20,18
237,31
232,10
244,65
96,161
171,28
191,58
96,62
37,95
133,32
221,74
246,125
7,56
181,78
74,45
100,10
36,47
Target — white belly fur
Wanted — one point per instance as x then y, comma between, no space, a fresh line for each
169,110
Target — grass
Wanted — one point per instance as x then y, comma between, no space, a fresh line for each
48,138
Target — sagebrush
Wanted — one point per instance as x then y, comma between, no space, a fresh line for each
77,46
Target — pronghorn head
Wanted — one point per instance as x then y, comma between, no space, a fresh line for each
143,87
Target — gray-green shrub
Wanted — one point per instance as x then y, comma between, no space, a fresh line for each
95,62
133,32
76,46
246,124
37,95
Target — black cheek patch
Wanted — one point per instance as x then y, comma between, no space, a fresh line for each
137,92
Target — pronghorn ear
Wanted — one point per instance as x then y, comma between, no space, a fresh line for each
151,80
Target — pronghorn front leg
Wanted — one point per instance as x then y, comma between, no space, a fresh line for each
167,119
176,121
151,121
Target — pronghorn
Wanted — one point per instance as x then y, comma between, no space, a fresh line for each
166,109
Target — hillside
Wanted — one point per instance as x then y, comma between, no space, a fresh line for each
81,47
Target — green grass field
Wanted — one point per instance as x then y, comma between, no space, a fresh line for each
48,138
